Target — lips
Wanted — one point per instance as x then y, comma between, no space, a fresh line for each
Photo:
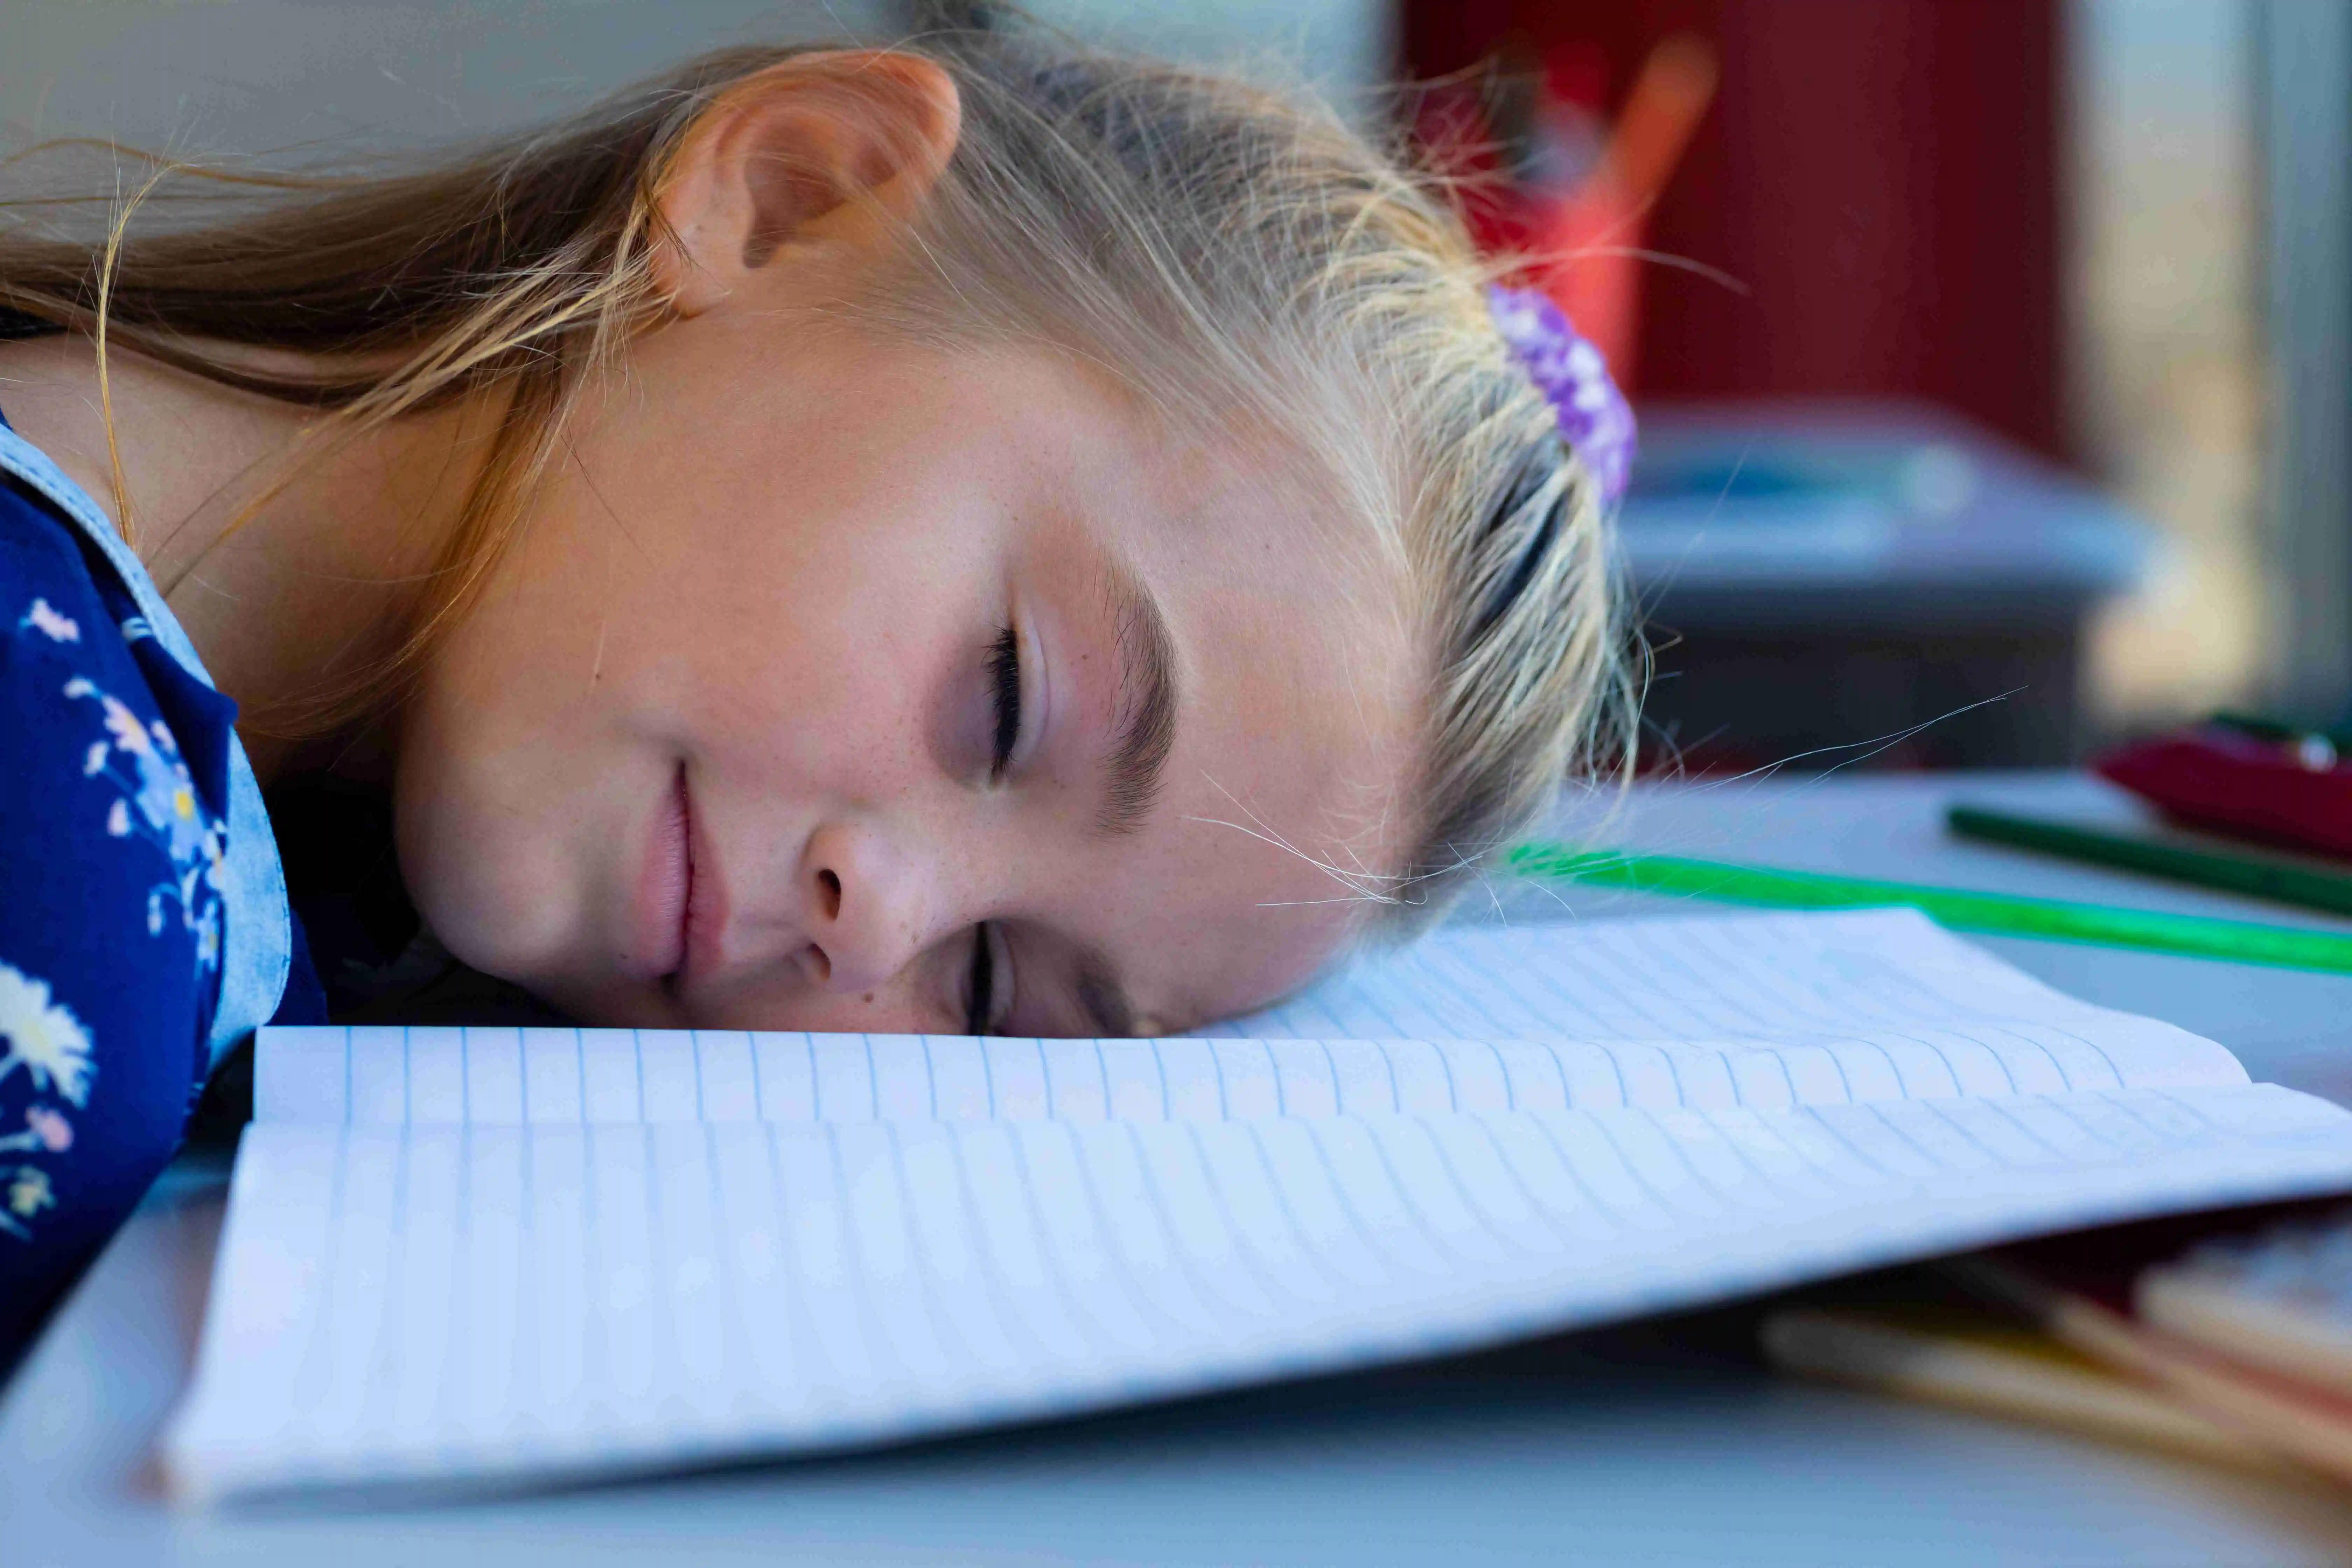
665,893
704,923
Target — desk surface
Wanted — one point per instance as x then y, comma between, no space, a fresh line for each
1584,1451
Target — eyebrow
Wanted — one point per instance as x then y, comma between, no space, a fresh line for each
1145,722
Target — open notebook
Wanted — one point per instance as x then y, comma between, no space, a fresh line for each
489,1255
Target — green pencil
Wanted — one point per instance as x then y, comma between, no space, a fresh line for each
2309,886
1999,914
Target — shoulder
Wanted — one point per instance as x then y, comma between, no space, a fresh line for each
116,834
47,579
111,914
56,618
110,906
98,763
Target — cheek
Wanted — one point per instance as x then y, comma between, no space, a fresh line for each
789,735
516,791
472,827
803,663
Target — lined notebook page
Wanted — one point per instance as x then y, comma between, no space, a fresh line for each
1765,1012
1825,979
508,1302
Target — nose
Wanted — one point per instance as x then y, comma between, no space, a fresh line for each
869,909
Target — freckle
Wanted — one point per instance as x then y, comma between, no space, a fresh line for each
868,998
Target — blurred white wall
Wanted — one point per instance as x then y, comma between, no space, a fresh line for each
2167,364
258,76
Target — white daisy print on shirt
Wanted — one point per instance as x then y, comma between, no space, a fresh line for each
43,1038
158,803
51,622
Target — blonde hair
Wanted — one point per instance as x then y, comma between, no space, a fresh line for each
1240,242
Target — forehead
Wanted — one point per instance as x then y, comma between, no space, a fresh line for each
1283,803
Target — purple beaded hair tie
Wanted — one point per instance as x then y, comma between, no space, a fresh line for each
1594,417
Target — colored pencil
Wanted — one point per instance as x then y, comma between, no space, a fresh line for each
2311,887
1958,909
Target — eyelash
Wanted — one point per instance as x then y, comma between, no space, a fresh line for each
1004,685
984,981
1004,677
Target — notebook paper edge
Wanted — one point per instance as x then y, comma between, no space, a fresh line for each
295,1075
2316,1168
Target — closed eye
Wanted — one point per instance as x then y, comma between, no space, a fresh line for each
1004,680
988,984
980,983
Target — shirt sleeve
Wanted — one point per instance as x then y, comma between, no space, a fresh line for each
110,923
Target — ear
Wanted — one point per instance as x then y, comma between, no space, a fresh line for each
816,147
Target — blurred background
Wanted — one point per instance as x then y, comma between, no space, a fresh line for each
1995,356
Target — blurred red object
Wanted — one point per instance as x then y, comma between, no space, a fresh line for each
2240,784
1573,196
1882,178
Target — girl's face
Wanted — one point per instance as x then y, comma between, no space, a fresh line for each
836,684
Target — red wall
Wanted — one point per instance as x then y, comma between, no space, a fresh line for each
1881,175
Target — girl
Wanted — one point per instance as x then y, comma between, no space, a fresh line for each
964,537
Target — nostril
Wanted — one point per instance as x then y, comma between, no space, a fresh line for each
829,892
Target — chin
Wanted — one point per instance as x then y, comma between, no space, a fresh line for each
615,1004
497,937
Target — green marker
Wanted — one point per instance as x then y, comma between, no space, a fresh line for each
2310,885
2279,730
1998,914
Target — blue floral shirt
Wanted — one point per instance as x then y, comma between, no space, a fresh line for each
115,800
